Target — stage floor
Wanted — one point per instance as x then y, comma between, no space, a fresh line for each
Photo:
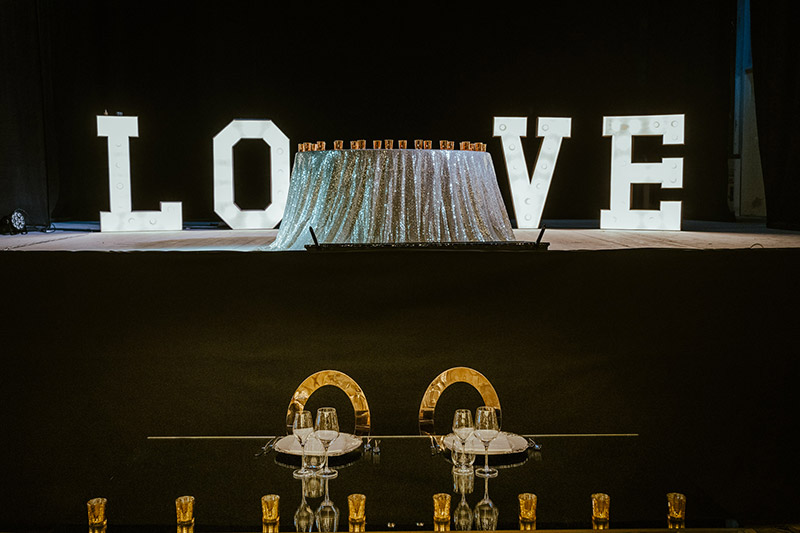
562,235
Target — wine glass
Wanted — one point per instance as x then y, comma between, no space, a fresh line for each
304,516
486,429
463,428
486,513
302,428
326,430
327,515
462,515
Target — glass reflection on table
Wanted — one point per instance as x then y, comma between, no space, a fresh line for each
378,478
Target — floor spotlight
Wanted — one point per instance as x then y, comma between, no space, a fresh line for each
15,222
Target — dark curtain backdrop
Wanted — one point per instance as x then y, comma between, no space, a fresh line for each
344,72
776,77
23,154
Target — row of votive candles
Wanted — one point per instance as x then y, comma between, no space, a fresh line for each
388,144
270,512
601,511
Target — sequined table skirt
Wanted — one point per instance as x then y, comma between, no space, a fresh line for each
393,196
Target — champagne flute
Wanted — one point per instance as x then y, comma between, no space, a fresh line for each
326,430
463,428
486,429
302,428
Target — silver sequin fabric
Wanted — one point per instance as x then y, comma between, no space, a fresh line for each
393,196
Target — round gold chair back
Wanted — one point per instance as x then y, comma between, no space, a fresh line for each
459,374
336,379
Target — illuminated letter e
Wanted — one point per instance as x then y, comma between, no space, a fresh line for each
669,173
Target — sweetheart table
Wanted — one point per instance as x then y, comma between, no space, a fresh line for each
393,196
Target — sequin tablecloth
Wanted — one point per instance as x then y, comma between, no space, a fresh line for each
393,196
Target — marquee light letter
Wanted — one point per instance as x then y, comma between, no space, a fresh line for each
669,173
224,204
530,193
121,217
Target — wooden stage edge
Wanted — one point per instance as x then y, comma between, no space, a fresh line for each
561,236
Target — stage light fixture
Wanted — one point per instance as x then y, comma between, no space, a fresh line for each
14,223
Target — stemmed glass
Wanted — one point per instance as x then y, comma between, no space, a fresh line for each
327,513
485,511
486,429
304,516
326,430
462,515
302,428
463,428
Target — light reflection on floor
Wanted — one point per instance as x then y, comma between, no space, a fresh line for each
562,235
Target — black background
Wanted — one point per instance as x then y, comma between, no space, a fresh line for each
348,71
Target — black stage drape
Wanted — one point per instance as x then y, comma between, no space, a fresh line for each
776,78
327,73
24,105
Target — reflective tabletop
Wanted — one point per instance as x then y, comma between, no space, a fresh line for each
399,476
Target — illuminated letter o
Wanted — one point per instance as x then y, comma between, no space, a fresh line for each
224,204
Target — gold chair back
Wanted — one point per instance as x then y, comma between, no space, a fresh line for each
336,379
459,374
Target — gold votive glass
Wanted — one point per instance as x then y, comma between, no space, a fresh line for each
301,147
96,508
676,510
388,143
270,513
601,510
418,144
338,144
320,145
441,512
474,146
362,144
442,145
428,145
464,145
184,509
527,511
376,145
357,504
354,145
402,144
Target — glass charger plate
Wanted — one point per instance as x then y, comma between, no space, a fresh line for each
504,443
344,443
